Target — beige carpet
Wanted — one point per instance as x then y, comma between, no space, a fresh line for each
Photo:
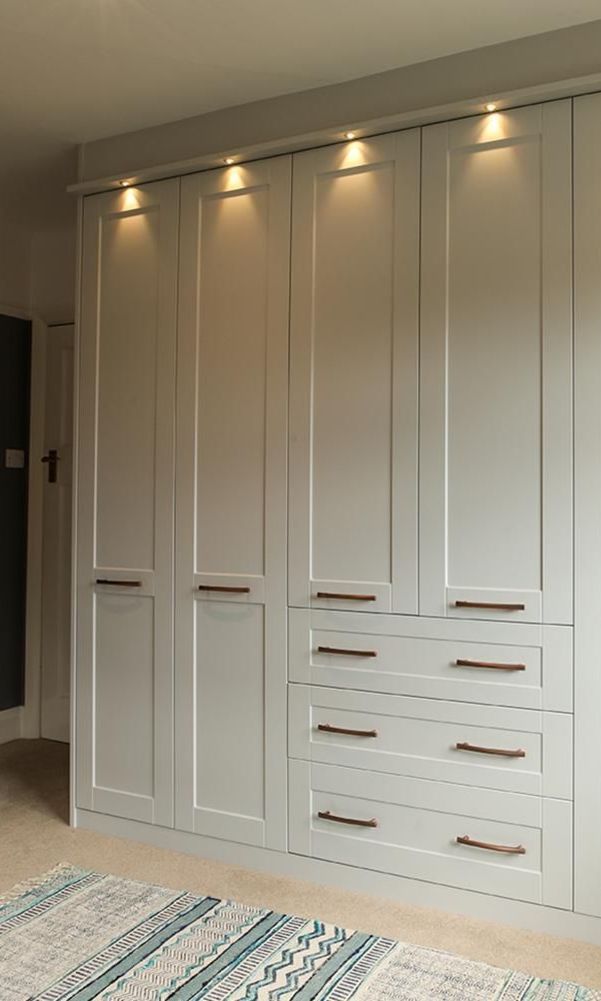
34,836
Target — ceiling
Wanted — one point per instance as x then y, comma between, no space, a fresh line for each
75,70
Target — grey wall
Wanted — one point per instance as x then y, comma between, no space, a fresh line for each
15,355
528,62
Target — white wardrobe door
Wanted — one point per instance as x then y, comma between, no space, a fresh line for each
587,647
353,403
496,406
231,503
125,504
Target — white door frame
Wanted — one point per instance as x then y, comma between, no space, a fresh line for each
24,721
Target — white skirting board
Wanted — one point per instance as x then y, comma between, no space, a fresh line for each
534,917
10,724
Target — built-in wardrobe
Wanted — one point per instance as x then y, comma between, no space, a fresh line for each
325,509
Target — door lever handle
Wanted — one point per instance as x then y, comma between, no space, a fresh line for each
51,460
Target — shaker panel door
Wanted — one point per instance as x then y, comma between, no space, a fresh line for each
231,503
353,405
496,367
125,508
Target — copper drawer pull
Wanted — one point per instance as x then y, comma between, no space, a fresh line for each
349,653
326,815
500,606
224,590
461,662
464,746
504,849
119,583
346,597
328,728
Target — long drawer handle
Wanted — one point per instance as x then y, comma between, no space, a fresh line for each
500,606
346,597
349,653
329,728
223,589
490,665
326,815
464,746
504,849
118,583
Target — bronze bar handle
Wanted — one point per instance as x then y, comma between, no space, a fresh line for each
329,728
464,746
500,606
491,665
326,815
119,583
349,653
346,597
504,849
224,590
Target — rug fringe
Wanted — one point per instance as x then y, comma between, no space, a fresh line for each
33,883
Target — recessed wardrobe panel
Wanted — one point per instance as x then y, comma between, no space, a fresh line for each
230,703
126,398
233,313
124,664
494,332
354,375
231,503
352,357
496,367
125,503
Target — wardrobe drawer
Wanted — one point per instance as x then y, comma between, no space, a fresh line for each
492,663
518,750
410,827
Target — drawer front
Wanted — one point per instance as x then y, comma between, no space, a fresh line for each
506,664
518,750
499,843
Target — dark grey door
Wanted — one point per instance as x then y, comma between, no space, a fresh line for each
15,365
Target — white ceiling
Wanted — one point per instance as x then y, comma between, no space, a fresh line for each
74,70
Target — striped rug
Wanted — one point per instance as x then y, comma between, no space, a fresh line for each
78,935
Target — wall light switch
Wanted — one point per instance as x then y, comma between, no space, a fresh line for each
14,458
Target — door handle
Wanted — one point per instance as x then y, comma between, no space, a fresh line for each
504,849
463,745
498,606
339,596
346,652
51,460
328,728
353,821
490,665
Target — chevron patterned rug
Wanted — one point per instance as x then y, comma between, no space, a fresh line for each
79,935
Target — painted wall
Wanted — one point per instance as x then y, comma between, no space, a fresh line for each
528,62
37,270
15,266
52,287
15,357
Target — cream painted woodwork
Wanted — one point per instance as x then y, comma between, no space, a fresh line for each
353,390
56,544
496,367
125,503
413,460
517,750
231,503
587,361
410,827
521,664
